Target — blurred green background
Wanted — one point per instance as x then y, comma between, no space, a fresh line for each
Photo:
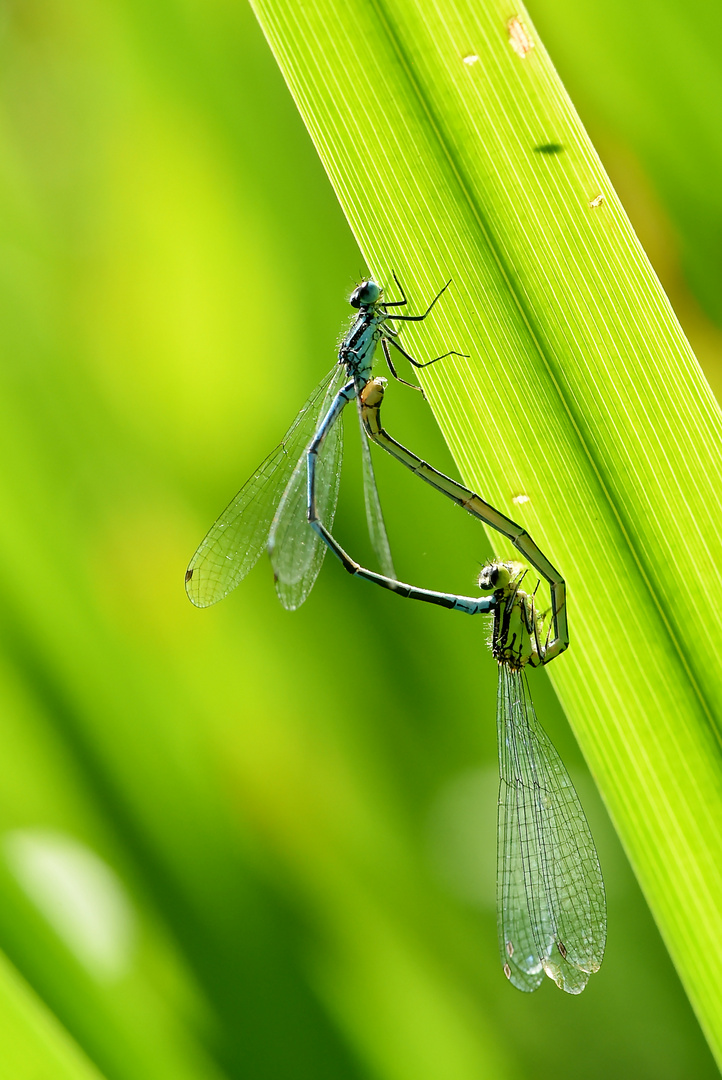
239,842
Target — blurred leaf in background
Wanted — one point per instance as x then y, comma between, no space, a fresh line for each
292,877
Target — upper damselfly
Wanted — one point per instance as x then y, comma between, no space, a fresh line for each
296,481
551,906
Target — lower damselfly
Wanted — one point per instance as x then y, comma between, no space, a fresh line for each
551,906
272,507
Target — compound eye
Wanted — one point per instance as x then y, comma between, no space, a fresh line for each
366,294
494,576
487,578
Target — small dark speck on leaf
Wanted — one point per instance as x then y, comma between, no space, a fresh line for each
189,575
549,148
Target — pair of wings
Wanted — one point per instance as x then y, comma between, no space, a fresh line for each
273,500
551,907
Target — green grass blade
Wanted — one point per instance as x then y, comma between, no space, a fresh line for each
34,1045
581,394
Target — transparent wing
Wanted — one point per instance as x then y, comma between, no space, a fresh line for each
551,903
297,552
525,934
374,514
234,542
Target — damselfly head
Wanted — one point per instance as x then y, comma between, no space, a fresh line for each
366,294
494,576
499,576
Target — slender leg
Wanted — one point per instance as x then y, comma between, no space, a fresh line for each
392,369
531,622
419,363
397,303
371,399
469,605
417,318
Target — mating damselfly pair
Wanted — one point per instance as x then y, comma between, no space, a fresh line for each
551,907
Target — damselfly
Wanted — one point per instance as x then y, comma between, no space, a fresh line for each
276,498
551,906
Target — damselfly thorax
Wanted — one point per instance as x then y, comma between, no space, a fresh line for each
357,349
517,634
